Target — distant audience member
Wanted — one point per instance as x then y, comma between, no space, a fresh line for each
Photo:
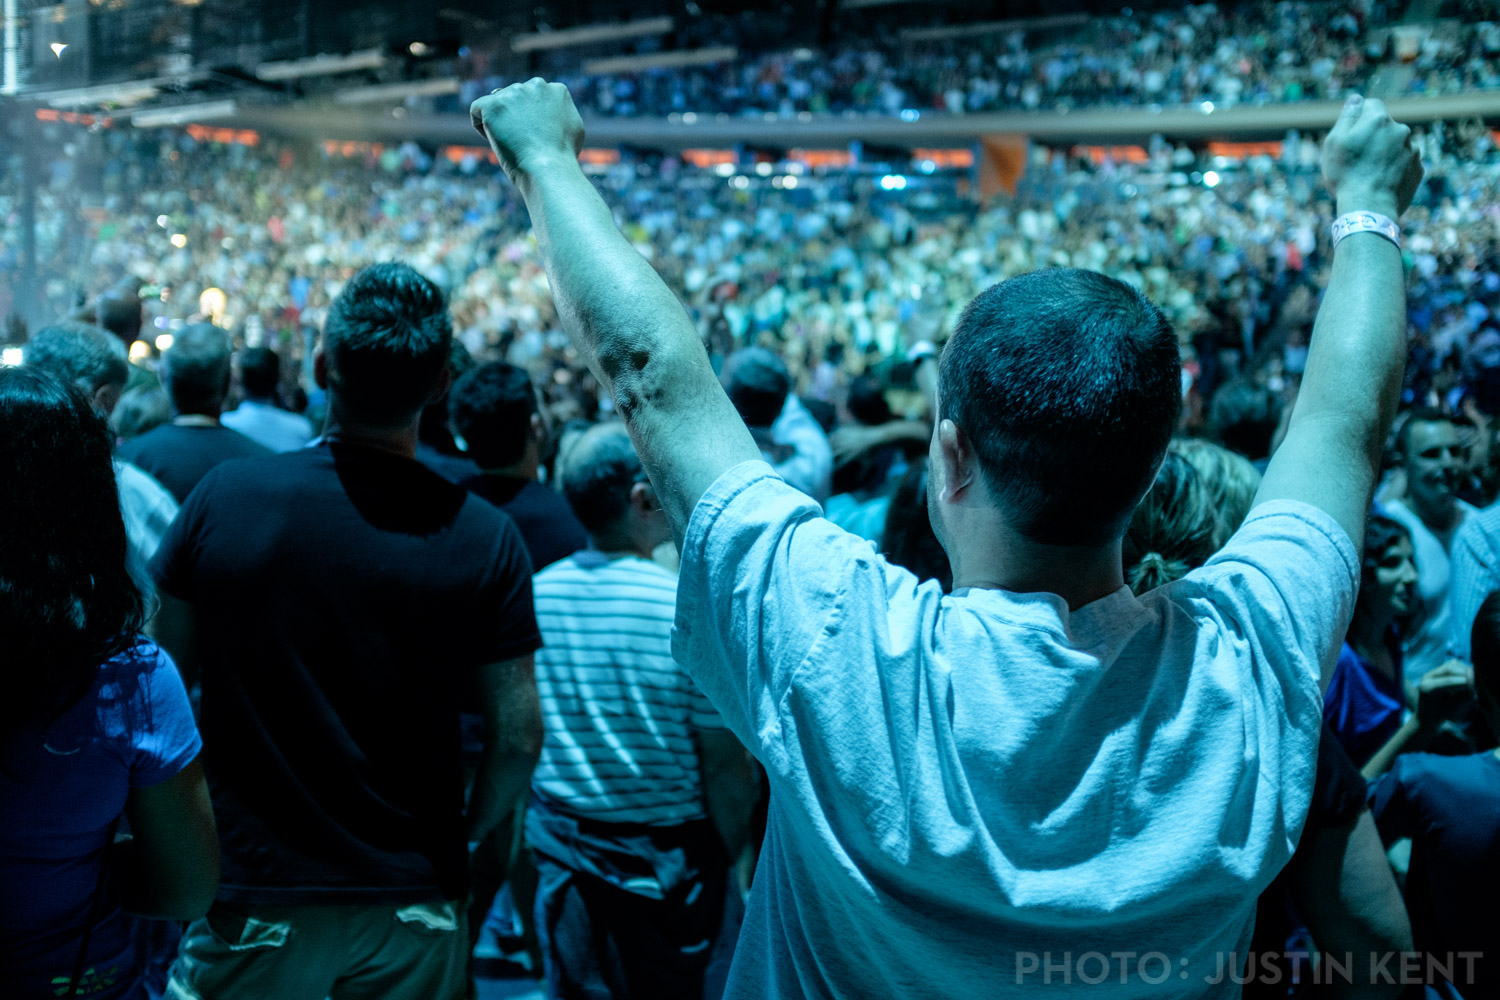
181,453
141,409
759,386
118,310
642,797
95,723
1174,529
1449,807
1476,575
908,540
1433,461
493,410
260,416
436,447
1230,480
94,362
343,599
1244,417
1364,702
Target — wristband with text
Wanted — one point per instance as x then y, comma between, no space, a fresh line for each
1365,222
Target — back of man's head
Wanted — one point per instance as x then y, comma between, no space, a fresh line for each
118,311
600,471
1243,417
386,344
260,371
1067,385
491,409
757,382
196,369
79,353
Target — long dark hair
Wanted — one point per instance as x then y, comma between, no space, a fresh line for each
67,603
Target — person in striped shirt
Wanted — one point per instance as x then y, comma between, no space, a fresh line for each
641,797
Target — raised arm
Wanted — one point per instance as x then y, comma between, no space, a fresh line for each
627,324
1331,455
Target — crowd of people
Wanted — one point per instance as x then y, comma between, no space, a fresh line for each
1225,54
501,603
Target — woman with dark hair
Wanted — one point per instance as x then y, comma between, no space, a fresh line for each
95,723
1365,700
1174,529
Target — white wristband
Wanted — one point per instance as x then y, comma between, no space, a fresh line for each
1365,222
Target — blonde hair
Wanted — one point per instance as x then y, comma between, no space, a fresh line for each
1173,530
1229,479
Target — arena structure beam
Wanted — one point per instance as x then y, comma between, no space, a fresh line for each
589,34
1104,125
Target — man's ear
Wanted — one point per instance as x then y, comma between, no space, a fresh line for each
320,368
440,389
960,465
643,498
106,398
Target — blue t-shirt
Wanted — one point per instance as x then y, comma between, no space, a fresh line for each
61,786
1450,808
1362,706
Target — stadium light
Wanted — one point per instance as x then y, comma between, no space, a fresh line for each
589,33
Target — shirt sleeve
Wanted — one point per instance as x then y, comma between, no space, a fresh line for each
1474,577
1287,579
1394,811
166,740
763,574
508,601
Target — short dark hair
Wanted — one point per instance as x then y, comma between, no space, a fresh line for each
491,409
68,602
1420,415
1381,533
1243,417
601,470
80,353
1067,384
260,372
196,369
386,341
757,382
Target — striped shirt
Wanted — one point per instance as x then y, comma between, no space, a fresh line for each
619,712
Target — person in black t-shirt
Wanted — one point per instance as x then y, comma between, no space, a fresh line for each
180,453
494,411
338,600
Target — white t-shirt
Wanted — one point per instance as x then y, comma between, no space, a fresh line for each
968,788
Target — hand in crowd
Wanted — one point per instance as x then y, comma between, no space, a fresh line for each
1443,693
1368,160
529,123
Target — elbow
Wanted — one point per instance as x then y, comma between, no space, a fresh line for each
195,890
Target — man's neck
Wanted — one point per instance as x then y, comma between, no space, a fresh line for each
526,469
195,420
396,440
1079,575
616,544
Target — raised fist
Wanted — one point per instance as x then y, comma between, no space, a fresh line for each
1368,160
529,123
